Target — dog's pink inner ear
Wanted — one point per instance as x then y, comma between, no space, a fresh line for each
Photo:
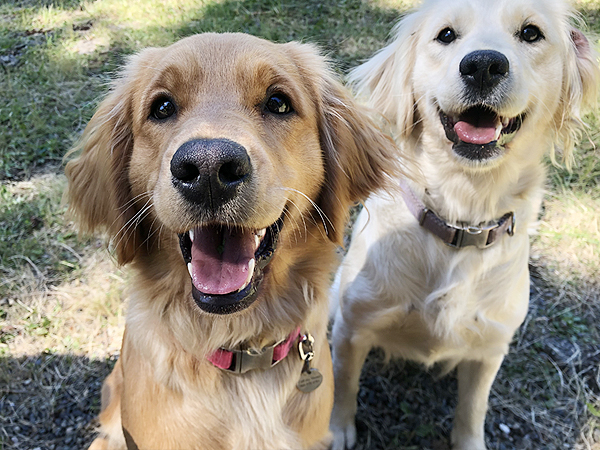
582,45
221,259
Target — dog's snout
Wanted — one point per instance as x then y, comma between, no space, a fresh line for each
210,172
484,69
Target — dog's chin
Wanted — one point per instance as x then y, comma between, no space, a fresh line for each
479,135
227,264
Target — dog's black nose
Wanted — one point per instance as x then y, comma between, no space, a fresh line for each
210,172
484,69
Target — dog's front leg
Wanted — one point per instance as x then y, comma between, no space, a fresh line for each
111,433
349,354
475,379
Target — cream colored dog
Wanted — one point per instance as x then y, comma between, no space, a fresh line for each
477,92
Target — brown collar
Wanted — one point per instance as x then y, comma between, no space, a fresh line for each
483,235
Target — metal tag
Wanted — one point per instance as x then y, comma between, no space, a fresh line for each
309,380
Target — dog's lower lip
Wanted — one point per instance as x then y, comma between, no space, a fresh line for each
241,298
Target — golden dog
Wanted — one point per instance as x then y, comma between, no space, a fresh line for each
222,168
477,92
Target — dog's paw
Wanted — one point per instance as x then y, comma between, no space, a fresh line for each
344,437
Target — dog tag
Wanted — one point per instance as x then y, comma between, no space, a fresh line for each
309,380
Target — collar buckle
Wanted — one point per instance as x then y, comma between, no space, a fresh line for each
474,235
243,360
483,236
251,359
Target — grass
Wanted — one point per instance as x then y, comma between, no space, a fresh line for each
61,297
57,55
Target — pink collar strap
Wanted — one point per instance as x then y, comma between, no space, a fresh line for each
241,361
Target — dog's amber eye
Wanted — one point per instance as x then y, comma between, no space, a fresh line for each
162,108
530,33
446,36
278,104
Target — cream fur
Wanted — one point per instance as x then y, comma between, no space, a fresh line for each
400,287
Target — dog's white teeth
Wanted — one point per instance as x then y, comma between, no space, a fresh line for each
251,265
258,236
498,132
191,234
190,270
505,122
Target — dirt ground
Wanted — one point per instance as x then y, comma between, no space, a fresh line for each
49,401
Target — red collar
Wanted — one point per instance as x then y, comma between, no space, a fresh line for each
241,361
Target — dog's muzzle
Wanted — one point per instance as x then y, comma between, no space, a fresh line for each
478,131
226,260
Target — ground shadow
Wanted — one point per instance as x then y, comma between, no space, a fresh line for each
49,401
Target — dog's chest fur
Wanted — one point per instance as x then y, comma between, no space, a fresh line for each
203,404
431,302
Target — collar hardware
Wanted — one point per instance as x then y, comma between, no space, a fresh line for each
242,361
482,236
246,360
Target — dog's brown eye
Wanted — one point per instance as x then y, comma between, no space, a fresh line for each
530,33
279,104
446,36
162,108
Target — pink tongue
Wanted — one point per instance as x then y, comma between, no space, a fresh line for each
220,259
475,135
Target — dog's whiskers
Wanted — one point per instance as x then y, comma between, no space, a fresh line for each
321,213
295,227
125,207
134,221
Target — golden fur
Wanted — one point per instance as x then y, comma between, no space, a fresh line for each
400,287
308,167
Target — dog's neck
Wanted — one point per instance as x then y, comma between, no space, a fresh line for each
200,334
476,196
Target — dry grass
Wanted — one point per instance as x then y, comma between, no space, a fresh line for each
44,307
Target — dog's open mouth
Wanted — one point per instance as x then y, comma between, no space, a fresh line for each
479,133
226,264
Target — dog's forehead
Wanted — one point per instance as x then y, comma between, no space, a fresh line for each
223,57
482,15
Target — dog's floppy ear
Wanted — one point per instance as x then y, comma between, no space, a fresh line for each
98,193
385,80
579,92
358,156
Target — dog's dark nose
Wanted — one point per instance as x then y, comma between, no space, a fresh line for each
210,172
484,69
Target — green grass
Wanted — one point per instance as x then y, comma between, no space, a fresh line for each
33,233
58,55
